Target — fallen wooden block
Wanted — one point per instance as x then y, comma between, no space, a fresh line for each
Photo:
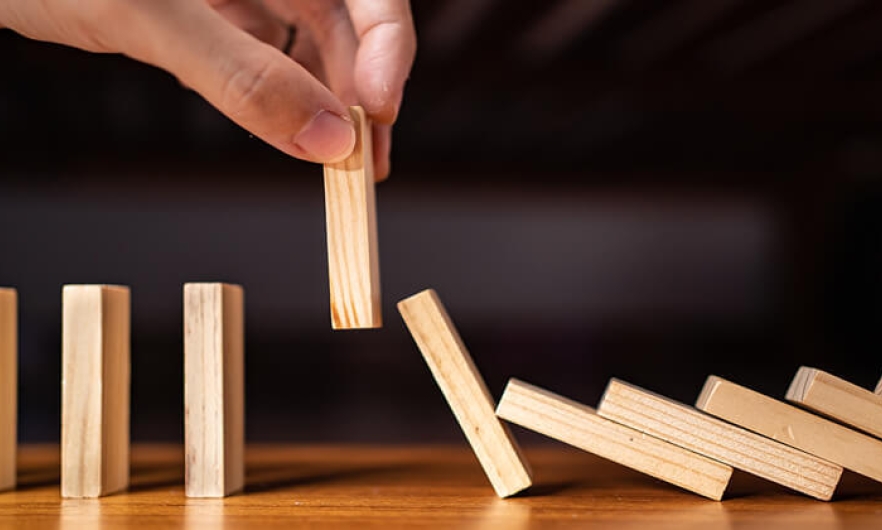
8,386
580,426
351,214
214,389
694,430
838,399
95,390
466,393
792,426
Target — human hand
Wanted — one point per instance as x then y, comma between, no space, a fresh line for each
345,53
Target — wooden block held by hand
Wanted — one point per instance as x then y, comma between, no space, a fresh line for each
95,390
579,425
8,386
694,430
465,390
797,428
353,254
838,399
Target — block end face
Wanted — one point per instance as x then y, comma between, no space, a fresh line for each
707,392
429,294
801,384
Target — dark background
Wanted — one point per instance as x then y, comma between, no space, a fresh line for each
654,191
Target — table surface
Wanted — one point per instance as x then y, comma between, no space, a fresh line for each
418,486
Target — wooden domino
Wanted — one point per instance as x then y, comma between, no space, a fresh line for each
8,386
838,399
579,425
465,390
214,389
351,215
694,430
797,428
879,387
95,390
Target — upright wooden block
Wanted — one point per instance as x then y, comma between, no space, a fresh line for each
838,399
465,390
578,425
351,213
792,426
214,389
95,390
694,430
8,386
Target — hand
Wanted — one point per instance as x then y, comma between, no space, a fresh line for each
345,53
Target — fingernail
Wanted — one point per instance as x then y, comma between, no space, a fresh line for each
327,138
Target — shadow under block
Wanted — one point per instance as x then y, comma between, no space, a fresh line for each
8,386
214,389
465,391
579,425
797,428
837,398
694,430
351,215
95,390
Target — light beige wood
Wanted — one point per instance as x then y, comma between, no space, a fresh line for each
694,430
465,390
580,426
95,390
838,399
879,387
797,428
214,389
8,386
353,254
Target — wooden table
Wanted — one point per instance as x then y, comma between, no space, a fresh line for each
363,486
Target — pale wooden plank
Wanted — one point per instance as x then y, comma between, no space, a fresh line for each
465,390
691,429
580,426
351,215
8,386
95,390
797,428
838,399
214,385
879,387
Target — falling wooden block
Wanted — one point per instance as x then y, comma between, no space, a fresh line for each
214,389
95,390
838,399
580,426
465,390
8,386
694,430
792,426
351,214
879,387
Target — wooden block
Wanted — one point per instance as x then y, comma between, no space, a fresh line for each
8,386
792,426
351,214
214,389
465,390
838,399
95,390
580,426
694,430
879,387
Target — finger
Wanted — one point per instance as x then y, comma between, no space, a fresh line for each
253,17
305,51
382,137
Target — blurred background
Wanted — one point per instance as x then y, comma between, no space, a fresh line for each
655,191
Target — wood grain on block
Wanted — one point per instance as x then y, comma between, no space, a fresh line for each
351,214
580,426
838,399
214,389
95,390
797,428
879,387
694,430
465,390
8,386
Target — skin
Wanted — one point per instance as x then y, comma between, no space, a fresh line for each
346,53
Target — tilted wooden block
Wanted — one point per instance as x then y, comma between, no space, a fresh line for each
214,389
879,387
95,390
694,430
578,425
797,428
8,386
465,390
351,214
838,399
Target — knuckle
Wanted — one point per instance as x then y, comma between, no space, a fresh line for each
248,88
